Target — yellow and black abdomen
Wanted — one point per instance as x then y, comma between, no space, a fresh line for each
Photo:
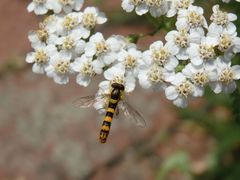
114,99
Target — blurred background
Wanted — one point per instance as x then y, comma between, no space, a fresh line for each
43,136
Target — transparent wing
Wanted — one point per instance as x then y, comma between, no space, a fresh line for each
132,114
117,111
84,102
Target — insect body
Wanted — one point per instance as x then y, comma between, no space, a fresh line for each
115,96
115,103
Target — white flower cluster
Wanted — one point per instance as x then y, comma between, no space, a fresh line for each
60,42
158,7
41,7
194,56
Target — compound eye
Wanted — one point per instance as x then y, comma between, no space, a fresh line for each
117,86
122,87
114,85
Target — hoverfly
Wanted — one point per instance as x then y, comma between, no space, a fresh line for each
115,104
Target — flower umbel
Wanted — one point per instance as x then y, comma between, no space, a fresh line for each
195,55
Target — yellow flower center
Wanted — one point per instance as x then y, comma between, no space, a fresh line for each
185,89
62,67
207,51
220,18
182,39
224,43
160,56
195,19
68,43
41,57
66,2
70,23
183,4
87,69
89,20
136,2
101,48
154,2
42,35
226,76
155,75
130,62
118,79
200,79
39,1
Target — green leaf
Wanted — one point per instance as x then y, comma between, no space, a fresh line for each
178,161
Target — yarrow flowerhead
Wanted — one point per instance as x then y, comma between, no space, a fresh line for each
41,7
195,55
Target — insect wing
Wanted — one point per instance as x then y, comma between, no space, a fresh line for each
132,114
84,102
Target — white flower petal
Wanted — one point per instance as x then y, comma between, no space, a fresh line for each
141,9
216,87
171,64
98,66
232,17
101,18
83,80
130,84
61,79
180,102
230,88
30,58
105,86
127,6
40,10
31,7
38,69
198,91
236,71
90,49
197,61
171,93
143,79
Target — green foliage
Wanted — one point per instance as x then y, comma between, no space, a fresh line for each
224,160
178,161
226,133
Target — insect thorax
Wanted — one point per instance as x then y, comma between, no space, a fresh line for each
117,92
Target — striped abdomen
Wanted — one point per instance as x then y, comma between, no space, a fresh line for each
115,97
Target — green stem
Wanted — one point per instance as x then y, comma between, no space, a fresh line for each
158,24
235,105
